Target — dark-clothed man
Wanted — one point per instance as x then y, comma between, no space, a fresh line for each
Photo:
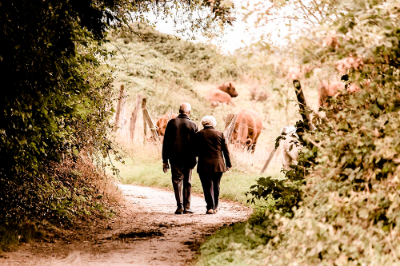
178,149
214,160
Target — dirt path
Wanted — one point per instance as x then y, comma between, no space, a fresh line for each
146,232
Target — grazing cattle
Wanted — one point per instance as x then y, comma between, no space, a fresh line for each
299,73
247,129
290,146
326,90
348,63
294,73
222,94
331,40
162,125
333,89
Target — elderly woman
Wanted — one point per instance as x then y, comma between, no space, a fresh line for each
211,150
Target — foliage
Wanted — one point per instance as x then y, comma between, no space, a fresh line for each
349,209
69,190
199,60
223,247
46,85
350,205
286,194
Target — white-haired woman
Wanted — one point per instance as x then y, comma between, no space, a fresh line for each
214,160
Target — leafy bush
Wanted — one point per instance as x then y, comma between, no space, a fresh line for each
349,211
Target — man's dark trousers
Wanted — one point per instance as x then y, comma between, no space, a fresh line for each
182,176
210,183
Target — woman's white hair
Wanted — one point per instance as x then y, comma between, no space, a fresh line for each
208,120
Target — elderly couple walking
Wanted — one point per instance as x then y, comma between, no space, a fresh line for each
182,144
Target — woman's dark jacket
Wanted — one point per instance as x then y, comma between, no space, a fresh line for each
211,150
178,146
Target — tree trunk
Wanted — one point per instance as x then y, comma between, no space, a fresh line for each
144,102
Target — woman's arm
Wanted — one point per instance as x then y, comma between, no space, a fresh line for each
196,145
225,150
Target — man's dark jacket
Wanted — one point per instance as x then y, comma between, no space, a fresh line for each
211,150
178,146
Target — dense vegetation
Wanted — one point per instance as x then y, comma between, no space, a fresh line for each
349,209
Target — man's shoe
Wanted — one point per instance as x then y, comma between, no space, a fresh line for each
210,211
179,210
188,211
215,210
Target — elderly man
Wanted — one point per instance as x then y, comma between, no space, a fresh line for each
214,159
178,149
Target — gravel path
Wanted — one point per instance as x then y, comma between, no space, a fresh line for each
146,232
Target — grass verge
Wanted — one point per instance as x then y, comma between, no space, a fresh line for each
230,245
143,166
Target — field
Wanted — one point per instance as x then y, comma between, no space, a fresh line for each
168,78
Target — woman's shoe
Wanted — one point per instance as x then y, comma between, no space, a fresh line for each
210,211
179,210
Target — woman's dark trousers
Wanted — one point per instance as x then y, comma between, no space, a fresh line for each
210,183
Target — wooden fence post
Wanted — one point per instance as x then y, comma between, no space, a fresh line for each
134,116
302,104
144,101
271,155
228,120
120,106
304,115
153,130
169,115
229,129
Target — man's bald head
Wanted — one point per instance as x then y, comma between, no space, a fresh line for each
185,108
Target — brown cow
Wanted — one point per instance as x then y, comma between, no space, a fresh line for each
222,94
348,63
162,125
326,89
247,129
333,89
299,72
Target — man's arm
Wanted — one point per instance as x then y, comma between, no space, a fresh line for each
168,141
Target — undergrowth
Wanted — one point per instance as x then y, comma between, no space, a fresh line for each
12,234
69,191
